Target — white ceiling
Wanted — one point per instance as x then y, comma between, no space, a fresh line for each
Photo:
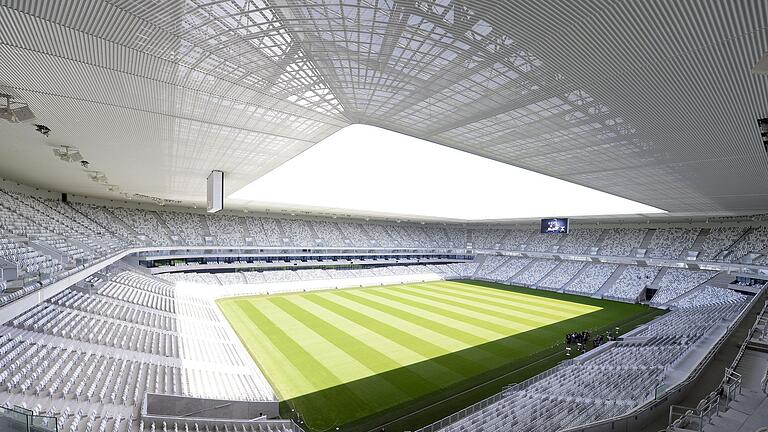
654,101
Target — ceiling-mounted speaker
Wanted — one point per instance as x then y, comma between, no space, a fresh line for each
68,154
14,111
215,191
763,124
761,67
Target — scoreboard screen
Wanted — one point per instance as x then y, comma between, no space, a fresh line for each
554,226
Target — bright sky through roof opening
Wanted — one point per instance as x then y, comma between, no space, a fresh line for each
370,169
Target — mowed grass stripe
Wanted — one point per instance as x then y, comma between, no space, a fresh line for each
520,316
457,366
492,353
477,328
444,342
403,324
304,362
405,383
544,303
270,359
502,327
401,311
312,341
529,310
359,329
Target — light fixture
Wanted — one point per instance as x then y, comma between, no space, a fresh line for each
14,111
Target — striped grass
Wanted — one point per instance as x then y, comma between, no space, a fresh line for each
339,357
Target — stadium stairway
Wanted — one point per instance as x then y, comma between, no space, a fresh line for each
712,374
522,270
647,239
721,280
314,234
479,259
204,226
716,281
548,273
700,239
163,225
561,240
749,412
113,217
611,281
243,227
659,277
727,251
574,278
599,242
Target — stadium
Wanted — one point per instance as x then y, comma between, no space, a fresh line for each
383,215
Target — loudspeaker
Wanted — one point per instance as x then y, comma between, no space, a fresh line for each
215,191
63,197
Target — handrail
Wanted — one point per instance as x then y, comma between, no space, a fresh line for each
692,376
27,418
206,409
478,406
731,382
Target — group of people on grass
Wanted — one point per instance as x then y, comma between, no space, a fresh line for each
584,337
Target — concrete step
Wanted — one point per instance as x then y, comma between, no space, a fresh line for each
647,239
657,281
611,280
700,239
576,276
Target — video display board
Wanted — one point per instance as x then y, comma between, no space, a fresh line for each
554,226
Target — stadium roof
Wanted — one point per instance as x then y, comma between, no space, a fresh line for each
654,101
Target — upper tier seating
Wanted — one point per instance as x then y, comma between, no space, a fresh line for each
104,218
672,242
298,232
261,235
144,222
227,230
621,241
755,241
543,242
487,238
514,238
187,226
355,233
47,239
20,218
580,240
718,240
380,235
330,233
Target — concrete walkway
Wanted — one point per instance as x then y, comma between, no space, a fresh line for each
712,374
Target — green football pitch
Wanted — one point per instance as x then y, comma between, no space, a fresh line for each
360,358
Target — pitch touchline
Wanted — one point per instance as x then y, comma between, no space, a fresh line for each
473,388
462,392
